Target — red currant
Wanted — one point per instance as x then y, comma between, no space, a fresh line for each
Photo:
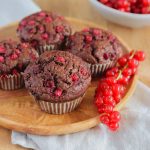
105,108
113,126
132,63
139,55
104,119
114,116
122,61
127,72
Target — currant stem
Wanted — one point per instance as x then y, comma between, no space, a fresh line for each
126,66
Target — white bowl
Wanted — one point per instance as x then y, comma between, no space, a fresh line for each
122,18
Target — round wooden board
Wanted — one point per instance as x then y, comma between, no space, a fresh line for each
19,112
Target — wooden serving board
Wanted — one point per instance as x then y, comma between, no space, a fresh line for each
19,112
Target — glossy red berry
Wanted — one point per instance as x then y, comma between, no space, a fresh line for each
111,80
122,61
59,29
83,71
134,70
113,126
105,108
1,59
58,92
117,98
109,100
74,77
124,80
139,55
48,19
45,36
114,116
107,92
104,119
60,59
116,89
31,22
88,38
127,72
132,63
14,56
2,49
99,101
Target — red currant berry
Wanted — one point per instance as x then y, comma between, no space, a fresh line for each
109,100
105,108
132,63
1,59
122,61
60,59
45,36
88,38
104,119
111,80
102,86
99,102
124,80
14,56
117,98
116,89
58,92
2,49
107,92
114,116
139,55
74,77
113,126
127,72
59,29
134,70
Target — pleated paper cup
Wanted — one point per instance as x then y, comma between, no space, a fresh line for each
58,108
11,82
98,69
42,49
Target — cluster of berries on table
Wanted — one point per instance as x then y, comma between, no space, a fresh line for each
133,6
112,87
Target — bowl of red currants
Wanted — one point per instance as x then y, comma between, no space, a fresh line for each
130,13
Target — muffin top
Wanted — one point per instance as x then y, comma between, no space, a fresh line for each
57,76
94,45
14,56
44,28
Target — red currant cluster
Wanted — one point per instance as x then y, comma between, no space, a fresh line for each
112,87
133,6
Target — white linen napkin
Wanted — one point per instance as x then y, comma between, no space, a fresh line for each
14,10
134,132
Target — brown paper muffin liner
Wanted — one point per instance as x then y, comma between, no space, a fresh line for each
11,82
98,69
44,48
59,107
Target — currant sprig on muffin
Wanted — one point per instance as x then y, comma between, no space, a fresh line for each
113,85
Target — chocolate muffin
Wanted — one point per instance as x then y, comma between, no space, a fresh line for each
98,47
58,81
44,30
14,57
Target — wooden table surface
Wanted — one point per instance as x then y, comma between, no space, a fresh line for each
81,9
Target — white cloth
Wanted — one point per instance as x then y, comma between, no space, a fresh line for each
14,10
134,132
